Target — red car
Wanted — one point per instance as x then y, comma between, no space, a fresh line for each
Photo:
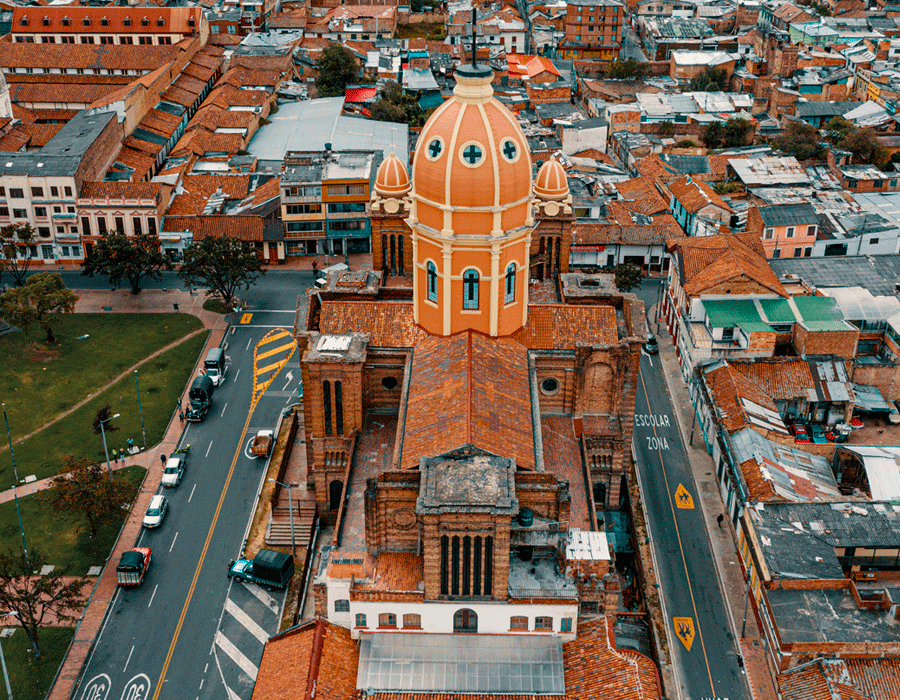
133,565
798,430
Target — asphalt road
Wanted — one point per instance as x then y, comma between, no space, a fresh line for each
702,645
631,46
189,631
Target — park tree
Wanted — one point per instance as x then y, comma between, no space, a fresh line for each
800,140
837,128
710,79
34,596
738,132
41,300
103,415
337,67
628,277
16,242
223,265
715,134
628,69
866,148
128,258
84,487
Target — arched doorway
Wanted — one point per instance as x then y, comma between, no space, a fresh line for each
334,495
465,621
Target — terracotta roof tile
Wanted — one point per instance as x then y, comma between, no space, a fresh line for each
694,195
55,93
390,322
245,228
197,189
482,387
120,190
782,378
176,19
727,386
142,163
396,571
842,679
565,327
95,56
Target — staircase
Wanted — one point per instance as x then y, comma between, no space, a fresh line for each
278,531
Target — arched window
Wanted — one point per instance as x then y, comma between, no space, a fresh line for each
431,284
465,621
510,283
412,621
470,289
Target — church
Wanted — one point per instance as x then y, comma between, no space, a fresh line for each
464,438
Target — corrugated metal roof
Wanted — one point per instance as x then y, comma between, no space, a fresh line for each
738,312
777,310
818,309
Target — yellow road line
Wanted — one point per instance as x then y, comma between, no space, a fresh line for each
277,335
687,575
276,365
275,351
212,527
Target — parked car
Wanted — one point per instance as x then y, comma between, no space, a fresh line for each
798,430
262,443
133,565
156,511
173,472
651,347
817,434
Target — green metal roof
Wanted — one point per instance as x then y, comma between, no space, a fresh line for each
727,313
777,310
818,309
827,325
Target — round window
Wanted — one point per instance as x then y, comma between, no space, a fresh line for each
389,383
435,148
509,150
471,154
549,386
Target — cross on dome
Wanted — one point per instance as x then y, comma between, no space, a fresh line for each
472,154
509,150
435,148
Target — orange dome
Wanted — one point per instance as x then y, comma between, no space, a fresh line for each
551,181
472,169
392,179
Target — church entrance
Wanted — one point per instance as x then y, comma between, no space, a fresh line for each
334,495
465,621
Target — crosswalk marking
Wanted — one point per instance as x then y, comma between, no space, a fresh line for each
272,338
248,622
236,655
262,596
284,351
275,351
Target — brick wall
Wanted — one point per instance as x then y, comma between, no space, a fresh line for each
384,226
390,503
840,343
100,154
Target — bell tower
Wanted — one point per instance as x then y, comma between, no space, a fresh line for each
471,214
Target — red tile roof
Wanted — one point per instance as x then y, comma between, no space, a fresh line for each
727,387
120,190
482,387
565,327
83,56
842,679
396,571
176,20
694,195
245,228
389,322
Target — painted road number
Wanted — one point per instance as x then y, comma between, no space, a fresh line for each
657,443
683,499
684,628
652,420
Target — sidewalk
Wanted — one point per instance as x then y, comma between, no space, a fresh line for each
104,590
723,540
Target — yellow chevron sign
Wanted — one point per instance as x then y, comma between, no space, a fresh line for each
683,499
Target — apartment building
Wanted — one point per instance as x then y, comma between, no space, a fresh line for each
129,208
73,24
324,197
786,230
593,29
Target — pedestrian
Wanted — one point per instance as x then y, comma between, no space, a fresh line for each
720,519
163,459
123,453
130,445
115,455
181,416
315,267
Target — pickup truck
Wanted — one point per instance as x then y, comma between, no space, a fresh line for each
269,569
262,443
133,565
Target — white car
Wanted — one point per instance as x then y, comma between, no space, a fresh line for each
173,472
156,511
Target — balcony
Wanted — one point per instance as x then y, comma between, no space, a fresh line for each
540,578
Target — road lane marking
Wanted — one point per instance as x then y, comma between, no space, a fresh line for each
286,350
274,365
249,340
684,628
246,318
128,660
262,596
98,687
274,351
683,499
248,622
153,595
238,372
687,575
231,694
272,337
223,410
173,541
208,449
236,655
192,493
209,535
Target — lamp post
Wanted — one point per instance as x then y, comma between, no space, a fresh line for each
291,511
3,660
103,433
16,482
137,386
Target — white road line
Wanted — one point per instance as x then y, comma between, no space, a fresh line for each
192,493
208,449
236,376
263,597
173,541
128,660
201,684
260,325
236,655
269,311
223,410
205,668
249,340
247,621
153,595
231,694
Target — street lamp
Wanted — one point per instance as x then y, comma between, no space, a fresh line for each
103,433
16,482
291,511
3,659
137,386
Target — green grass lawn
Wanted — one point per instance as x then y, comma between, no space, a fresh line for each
162,382
35,391
61,537
423,30
31,679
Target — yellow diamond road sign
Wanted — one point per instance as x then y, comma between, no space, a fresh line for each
269,356
684,628
683,499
